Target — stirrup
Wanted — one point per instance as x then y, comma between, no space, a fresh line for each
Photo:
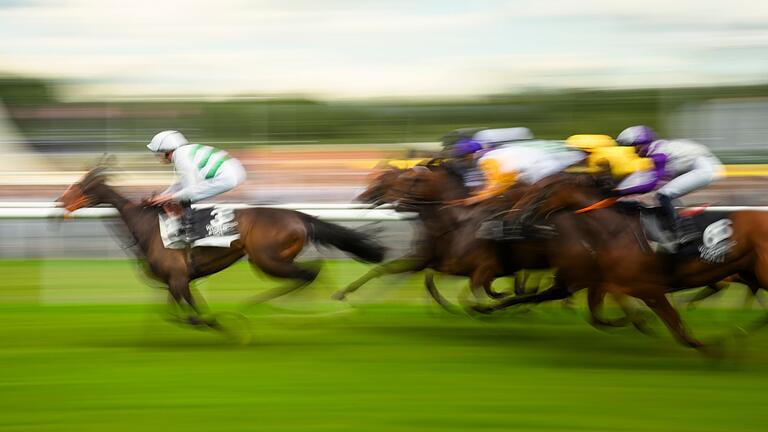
667,247
186,234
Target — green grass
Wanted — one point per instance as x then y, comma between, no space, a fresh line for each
84,346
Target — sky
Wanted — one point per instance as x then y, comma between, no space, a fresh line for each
388,48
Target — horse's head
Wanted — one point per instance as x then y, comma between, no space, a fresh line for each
424,185
84,193
379,182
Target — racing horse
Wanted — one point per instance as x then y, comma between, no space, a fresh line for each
628,268
379,182
449,242
271,238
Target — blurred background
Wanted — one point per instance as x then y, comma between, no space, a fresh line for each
310,96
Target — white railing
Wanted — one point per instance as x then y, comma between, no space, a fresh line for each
335,212
330,211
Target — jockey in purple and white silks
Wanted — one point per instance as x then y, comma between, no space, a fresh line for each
685,165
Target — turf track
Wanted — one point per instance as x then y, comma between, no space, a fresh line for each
80,353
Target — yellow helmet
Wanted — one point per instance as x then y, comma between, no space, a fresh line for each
589,142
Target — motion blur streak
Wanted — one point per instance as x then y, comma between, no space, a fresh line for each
334,102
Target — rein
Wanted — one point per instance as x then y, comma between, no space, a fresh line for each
605,203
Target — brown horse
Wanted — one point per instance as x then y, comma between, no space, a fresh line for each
379,182
271,239
448,242
627,267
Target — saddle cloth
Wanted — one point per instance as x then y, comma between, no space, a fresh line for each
705,235
213,226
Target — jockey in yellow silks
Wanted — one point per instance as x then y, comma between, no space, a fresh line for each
603,152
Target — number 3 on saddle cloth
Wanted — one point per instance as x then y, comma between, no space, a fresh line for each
212,226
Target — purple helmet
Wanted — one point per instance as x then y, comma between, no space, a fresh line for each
636,135
465,147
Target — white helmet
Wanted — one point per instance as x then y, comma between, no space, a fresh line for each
167,141
494,136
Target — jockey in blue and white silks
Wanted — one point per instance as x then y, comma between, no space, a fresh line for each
685,165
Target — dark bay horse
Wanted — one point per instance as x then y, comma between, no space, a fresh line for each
448,236
627,268
379,182
271,239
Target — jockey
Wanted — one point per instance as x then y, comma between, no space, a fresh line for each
526,164
204,171
687,165
602,152
465,143
494,138
463,152
606,160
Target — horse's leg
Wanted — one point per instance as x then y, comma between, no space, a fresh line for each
488,289
754,286
401,265
480,282
490,292
661,306
521,281
639,321
595,298
705,293
558,291
276,267
755,290
179,288
429,284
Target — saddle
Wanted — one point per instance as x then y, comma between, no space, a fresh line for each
501,227
508,226
211,226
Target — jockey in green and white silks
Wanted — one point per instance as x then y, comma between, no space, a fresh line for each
203,171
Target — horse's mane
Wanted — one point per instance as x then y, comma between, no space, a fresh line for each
450,168
98,177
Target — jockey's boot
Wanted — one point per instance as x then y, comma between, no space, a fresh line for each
187,225
686,230
669,223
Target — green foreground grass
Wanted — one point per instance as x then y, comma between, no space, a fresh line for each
84,346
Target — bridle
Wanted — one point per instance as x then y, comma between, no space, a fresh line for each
404,193
81,201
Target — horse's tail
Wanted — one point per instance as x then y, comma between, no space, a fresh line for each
359,244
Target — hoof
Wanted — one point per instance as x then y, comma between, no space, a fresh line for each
196,321
483,309
339,295
497,295
715,352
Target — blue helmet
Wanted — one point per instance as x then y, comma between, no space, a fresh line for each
464,147
636,136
